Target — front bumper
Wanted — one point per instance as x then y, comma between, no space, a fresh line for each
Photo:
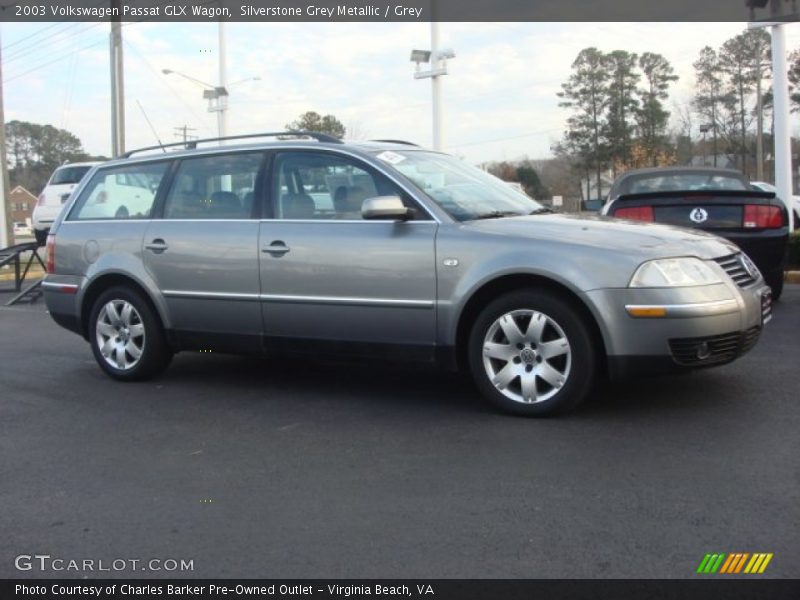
679,327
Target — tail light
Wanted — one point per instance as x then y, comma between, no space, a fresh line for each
40,200
50,251
636,213
762,217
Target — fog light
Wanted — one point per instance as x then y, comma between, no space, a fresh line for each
703,351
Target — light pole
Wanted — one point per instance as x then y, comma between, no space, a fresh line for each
438,60
217,97
704,130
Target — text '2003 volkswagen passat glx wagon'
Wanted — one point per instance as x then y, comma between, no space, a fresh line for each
361,249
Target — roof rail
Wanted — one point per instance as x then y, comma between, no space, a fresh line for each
405,143
192,144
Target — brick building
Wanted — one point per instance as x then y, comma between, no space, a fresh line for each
22,203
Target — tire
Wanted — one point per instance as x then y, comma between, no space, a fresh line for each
775,281
121,325
41,236
532,389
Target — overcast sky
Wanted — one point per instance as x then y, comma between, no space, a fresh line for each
499,98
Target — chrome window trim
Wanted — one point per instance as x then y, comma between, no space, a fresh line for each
367,157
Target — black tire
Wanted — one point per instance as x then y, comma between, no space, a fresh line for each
41,236
582,370
775,281
155,352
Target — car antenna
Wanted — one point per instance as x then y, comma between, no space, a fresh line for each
153,129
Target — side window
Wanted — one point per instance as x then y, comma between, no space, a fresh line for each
309,185
120,193
214,187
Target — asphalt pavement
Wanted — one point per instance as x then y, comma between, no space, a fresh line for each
298,468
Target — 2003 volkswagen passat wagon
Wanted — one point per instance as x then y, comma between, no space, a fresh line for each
365,248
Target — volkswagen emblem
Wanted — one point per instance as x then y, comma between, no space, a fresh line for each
699,215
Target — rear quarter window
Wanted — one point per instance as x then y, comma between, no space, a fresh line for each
126,192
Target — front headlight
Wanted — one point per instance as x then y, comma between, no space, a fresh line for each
674,272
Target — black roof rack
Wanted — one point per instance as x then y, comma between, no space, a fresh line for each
405,143
192,144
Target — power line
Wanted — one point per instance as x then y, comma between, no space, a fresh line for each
503,139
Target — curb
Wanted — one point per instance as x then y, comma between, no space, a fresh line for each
791,276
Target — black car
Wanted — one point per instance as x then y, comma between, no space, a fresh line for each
720,201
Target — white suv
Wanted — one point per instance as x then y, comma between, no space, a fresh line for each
55,195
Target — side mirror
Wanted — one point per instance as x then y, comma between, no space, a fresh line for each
385,207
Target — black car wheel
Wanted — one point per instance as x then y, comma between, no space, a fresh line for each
531,353
41,236
775,281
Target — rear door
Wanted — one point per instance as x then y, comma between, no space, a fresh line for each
203,252
327,275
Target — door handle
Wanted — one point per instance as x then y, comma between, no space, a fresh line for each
157,246
276,248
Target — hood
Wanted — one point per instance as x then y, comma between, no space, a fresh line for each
633,238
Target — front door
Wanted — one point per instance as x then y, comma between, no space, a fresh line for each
327,275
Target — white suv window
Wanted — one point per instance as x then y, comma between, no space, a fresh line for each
120,193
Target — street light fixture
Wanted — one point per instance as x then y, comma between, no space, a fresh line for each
217,96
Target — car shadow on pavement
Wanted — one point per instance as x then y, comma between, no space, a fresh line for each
418,388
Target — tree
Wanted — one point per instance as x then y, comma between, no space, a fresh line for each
313,121
35,151
528,176
794,80
709,92
737,59
586,93
622,104
652,116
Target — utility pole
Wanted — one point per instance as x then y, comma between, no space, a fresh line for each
783,144
5,201
436,88
183,133
222,100
117,83
780,88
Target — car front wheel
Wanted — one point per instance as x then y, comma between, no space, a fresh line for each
126,336
531,353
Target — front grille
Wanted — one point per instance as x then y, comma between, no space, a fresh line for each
734,266
714,349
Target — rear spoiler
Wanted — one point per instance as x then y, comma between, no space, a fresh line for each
698,194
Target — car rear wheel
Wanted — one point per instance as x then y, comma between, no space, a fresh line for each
126,336
531,353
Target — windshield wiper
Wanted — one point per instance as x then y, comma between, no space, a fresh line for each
496,214
541,211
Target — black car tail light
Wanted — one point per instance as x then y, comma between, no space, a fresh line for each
758,216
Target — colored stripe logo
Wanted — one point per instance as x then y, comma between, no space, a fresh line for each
734,563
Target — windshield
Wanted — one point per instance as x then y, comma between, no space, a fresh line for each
671,182
69,175
461,190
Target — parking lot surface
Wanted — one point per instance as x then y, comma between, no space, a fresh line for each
304,468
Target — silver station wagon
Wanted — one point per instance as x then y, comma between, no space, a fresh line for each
385,249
